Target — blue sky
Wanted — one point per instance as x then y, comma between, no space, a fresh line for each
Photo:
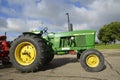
17,16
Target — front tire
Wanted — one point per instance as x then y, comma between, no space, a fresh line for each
28,53
92,60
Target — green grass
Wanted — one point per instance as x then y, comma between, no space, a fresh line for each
108,46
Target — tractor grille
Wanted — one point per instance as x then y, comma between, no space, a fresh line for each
80,40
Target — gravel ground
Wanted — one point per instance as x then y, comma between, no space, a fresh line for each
67,67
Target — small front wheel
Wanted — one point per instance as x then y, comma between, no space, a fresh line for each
92,60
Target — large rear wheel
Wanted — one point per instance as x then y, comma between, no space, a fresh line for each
28,53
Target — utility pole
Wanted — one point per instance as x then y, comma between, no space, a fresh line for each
70,26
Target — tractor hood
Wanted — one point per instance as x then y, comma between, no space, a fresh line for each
75,33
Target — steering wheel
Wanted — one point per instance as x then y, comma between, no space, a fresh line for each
45,30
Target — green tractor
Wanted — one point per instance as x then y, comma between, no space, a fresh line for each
32,50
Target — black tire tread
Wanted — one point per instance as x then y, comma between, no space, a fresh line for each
41,54
101,65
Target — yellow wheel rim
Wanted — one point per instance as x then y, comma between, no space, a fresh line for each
92,60
25,53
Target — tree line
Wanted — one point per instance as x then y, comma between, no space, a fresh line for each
109,33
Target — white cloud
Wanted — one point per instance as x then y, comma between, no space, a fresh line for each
97,14
34,24
9,11
106,11
20,25
16,25
92,14
46,9
83,2
3,23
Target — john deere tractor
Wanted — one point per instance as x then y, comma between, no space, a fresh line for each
31,51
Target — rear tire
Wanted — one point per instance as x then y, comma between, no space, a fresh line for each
49,58
50,54
92,60
28,53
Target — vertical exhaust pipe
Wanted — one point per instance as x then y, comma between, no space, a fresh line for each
70,26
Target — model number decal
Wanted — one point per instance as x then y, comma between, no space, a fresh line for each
66,48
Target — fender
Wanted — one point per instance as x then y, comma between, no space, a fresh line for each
33,33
